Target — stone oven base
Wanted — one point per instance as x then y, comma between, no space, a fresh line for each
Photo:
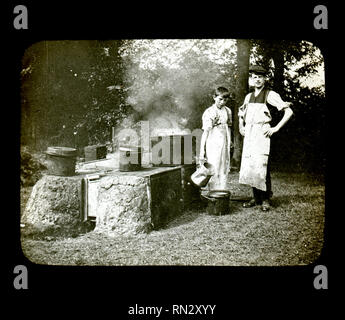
135,202
54,204
122,203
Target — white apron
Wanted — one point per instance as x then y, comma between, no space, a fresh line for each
218,155
256,147
217,121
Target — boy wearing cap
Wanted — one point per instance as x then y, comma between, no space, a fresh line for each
254,125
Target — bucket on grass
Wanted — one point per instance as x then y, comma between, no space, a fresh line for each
218,202
61,161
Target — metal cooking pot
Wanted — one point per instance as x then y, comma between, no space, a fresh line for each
218,202
61,161
130,158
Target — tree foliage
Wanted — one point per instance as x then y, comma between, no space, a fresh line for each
72,93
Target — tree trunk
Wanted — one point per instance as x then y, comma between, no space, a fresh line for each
278,59
243,51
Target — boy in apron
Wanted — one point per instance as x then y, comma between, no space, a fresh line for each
216,139
254,125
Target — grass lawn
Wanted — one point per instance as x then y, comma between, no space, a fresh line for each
291,233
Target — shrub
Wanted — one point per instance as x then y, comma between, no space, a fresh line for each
31,167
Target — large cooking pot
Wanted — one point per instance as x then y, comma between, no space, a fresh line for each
61,161
130,158
218,202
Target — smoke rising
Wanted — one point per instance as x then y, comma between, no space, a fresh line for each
170,82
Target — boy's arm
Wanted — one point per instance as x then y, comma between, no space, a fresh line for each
241,114
241,126
287,115
204,137
206,126
274,99
229,128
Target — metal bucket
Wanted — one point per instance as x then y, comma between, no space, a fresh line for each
130,158
61,161
218,202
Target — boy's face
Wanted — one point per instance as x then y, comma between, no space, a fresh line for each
220,101
258,80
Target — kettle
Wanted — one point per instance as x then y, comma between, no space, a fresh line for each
202,175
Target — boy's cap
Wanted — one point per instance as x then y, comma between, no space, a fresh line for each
257,70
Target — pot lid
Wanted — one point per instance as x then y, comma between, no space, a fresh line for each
218,193
62,151
129,148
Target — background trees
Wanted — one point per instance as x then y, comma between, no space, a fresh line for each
74,92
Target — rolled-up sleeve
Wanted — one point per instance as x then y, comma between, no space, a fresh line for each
241,111
275,100
243,108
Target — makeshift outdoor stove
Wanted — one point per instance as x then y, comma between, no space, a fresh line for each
118,201
133,202
138,197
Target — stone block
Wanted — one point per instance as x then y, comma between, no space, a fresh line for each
123,206
54,204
